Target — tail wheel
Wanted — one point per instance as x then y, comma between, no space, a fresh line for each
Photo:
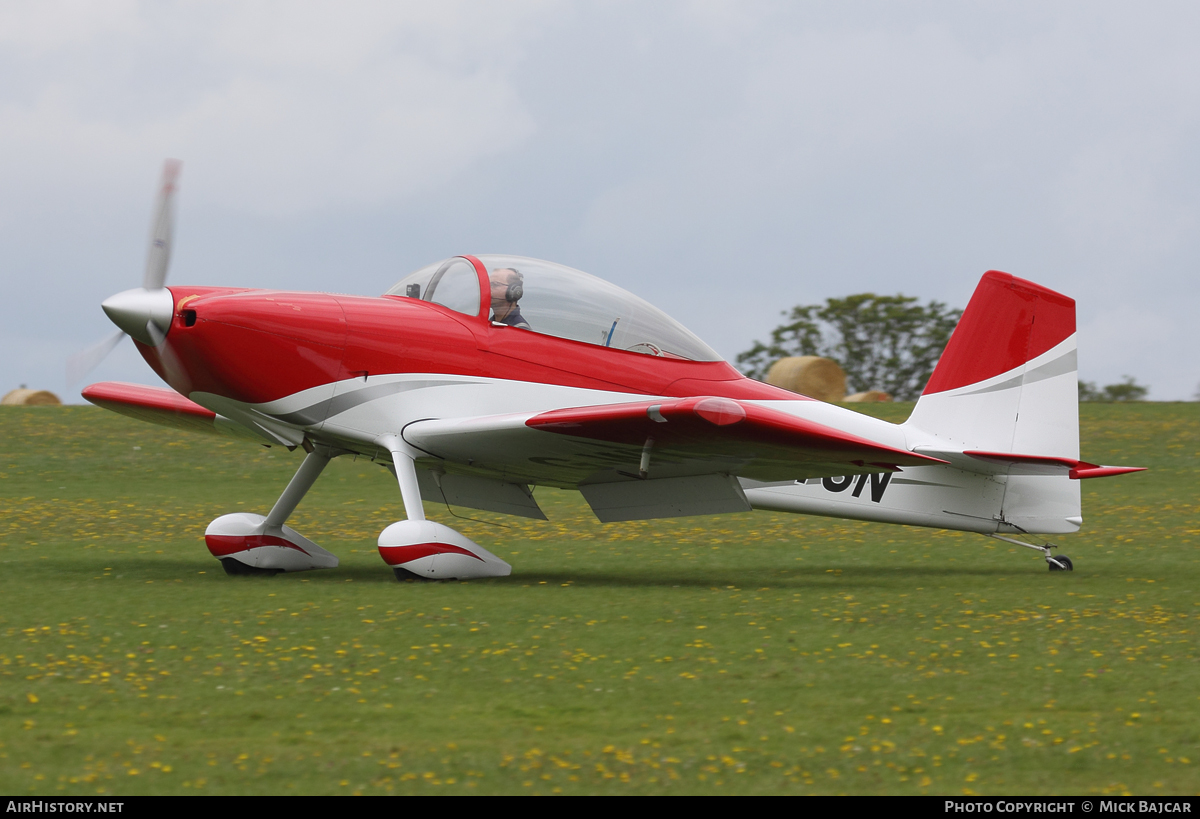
1060,563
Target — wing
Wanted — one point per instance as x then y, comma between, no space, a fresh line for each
155,405
653,459
158,405
654,439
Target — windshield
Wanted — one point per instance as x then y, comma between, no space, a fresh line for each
543,297
452,283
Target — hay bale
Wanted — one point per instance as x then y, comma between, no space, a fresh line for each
22,397
868,397
809,375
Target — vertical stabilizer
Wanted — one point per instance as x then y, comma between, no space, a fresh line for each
1007,381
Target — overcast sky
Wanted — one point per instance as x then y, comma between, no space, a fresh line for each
723,160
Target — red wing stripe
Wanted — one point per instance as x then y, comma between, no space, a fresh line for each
138,395
705,422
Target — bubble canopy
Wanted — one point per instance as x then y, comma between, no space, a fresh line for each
553,300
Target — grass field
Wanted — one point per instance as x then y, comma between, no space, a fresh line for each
749,653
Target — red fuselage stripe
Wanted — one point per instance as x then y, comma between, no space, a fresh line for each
257,346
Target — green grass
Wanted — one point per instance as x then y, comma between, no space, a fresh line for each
731,654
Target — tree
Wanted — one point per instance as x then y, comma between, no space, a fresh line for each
1127,390
887,343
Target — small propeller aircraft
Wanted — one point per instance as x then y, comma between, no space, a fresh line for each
479,377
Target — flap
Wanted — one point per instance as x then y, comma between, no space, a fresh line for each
475,492
665,498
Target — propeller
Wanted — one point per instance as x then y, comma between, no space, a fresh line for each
177,376
87,360
159,256
144,312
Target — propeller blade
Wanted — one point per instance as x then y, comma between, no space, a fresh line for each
177,376
159,256
85,361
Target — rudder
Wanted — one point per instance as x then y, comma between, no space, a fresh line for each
1007,380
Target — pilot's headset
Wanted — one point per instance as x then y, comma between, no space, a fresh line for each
515,289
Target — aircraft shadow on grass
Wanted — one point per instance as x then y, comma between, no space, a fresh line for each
822,576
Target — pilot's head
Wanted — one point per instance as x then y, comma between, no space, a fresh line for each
507,288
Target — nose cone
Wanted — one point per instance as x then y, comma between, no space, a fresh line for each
134,309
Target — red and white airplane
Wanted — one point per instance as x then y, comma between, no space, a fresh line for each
478,378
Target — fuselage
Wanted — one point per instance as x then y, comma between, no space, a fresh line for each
479,377
259,346
346,369
360,374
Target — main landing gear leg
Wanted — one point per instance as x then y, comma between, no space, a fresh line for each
1056,563
246,543
422,549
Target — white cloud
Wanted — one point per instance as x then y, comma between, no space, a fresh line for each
723,159
1144,343
288,107
50,27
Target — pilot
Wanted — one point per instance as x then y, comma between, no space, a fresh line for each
507,289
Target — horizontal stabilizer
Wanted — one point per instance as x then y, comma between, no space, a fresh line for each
1012,463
